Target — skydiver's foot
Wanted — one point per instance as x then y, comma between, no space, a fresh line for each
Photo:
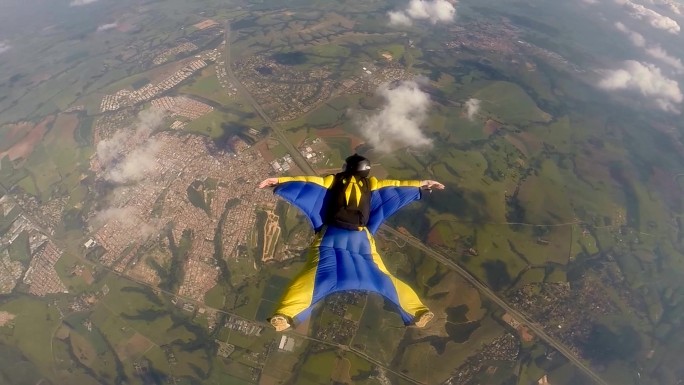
280,322
422,319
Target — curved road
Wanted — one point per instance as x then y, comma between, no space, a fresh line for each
442,258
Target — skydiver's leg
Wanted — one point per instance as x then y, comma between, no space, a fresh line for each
298,296
412,309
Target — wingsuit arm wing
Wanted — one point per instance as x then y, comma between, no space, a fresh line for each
307,193
388,196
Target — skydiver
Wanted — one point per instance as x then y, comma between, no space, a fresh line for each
345,210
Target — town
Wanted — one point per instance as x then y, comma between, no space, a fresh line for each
288,93
181,160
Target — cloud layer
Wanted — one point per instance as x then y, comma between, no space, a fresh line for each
653,50
78,3
648,80
105,27
638,11
397,124
472,107
122,166
4,46
437,11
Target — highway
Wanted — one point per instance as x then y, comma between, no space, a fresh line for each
442,258
490,294
247,96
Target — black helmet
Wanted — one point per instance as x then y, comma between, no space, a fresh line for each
357,165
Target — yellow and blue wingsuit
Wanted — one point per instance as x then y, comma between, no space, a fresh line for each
341,259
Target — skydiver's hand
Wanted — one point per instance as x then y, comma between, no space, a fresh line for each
269,182
430,184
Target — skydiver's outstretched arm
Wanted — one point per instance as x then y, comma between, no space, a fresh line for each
268,182
429,184
378,183
307,193
325,182
426,184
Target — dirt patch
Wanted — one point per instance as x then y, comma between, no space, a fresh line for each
6,318
517,143
340,373
63,332
164,72
13,133
525,334
339,132
265,151
205,24
330,20
87,276
63,129
125,27
532,142
24,147
491,127
434,238
134,346
458,292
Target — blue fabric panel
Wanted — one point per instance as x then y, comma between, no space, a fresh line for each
307,197
301,317
386,201
346,263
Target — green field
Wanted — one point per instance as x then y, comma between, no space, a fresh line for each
510,103
34,327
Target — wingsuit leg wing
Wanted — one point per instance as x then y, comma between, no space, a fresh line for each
298,297
344,260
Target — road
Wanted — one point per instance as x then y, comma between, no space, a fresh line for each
235,315
486,291
490,294
247,96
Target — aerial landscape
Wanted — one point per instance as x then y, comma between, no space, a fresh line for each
137,248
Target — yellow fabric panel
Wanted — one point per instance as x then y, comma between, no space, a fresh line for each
408,299
319,180
380,183
299,294
352,185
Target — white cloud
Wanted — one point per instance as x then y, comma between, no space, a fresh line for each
4,46
437,11
653,50
638,11
647,79
135,165
671,4
123,166
659,53
399,18
105,27
636,38
397,124
472,107
78,3
113,213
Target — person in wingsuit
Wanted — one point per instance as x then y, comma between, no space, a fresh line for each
345,211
